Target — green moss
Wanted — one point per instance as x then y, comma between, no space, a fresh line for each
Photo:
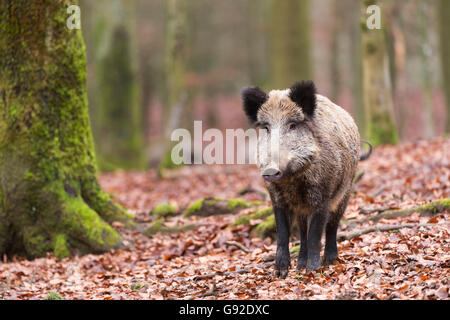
211,206
266,228
83,222
436,206
194,207
241,203
61,249
164,210
53,296
138,286
156,226
159,226
259,214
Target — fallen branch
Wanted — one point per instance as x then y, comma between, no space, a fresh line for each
159,226
370,211
239,245
255,189
385,227
209,206
429,209
227,273
211,292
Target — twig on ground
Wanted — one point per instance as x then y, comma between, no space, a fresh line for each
373,210
227,273
386,227
428,209
239,245
255,189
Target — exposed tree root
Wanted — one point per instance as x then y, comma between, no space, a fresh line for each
386,227
428,209
213,206
255,189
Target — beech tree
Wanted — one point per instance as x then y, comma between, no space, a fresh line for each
50,199
377,90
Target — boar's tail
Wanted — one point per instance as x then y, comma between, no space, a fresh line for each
366,155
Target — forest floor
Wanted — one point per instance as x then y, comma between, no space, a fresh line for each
216,261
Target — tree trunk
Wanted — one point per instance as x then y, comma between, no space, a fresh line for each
115,95
336,31
356,71
425,57
290,42
50,199
444,23
176,92
380,126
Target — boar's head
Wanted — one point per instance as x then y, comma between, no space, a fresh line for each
286,143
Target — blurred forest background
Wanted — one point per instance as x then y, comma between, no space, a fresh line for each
156,65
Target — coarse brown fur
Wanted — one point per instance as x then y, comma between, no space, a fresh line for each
316,161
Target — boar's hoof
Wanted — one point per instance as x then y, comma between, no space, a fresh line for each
301,263
328,259
312,265
281,273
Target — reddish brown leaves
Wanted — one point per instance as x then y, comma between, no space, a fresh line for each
206,263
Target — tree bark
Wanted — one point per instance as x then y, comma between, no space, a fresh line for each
380,126
114,85
444,23
50,199
176,91
290,42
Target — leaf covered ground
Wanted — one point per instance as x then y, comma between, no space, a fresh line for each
216,261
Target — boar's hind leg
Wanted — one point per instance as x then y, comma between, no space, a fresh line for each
282,261
303,255
316,227
331,251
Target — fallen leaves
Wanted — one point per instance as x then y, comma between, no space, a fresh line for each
216,261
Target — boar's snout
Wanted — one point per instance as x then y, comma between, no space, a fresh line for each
272,174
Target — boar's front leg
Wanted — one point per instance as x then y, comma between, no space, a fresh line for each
318,221
282,262
303,254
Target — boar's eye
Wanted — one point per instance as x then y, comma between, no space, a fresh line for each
292,125
264,125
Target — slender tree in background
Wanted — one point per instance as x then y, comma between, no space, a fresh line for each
425,51
380,126
50,199
397,45
176,91
336,31
289,42
114,84
354,10
444,32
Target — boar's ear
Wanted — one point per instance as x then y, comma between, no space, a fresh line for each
304,95
253,98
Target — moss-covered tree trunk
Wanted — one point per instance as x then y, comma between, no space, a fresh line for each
444,32
50,199
114,86
290,42
176,92
379,124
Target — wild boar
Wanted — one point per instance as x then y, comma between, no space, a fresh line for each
316,159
